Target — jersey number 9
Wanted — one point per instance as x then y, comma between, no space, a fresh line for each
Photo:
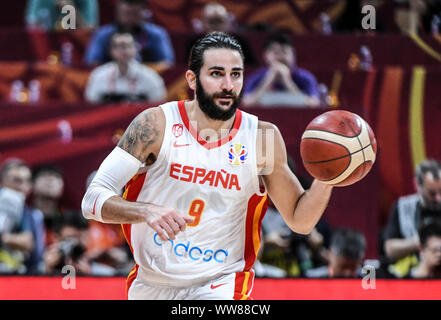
195,210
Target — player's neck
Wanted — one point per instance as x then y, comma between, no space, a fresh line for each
206,124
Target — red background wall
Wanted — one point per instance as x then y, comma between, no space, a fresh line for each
87,288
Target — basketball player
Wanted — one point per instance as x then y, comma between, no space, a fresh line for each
192,204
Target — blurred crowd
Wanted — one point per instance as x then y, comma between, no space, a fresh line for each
38,235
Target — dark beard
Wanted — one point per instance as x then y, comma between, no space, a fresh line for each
210,108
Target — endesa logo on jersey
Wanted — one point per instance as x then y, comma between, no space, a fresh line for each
195,253
191,174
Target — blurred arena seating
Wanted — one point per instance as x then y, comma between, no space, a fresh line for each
315,51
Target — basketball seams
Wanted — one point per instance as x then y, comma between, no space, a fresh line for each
322,139
337,134
341,173
338,158
342,182
353,164
352,129
350,143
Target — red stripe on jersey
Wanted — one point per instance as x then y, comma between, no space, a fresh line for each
203,142
257,206
243,285
132,276
133,188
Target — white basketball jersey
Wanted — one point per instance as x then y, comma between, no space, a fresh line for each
217,184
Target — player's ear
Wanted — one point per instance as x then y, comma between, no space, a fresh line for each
191,79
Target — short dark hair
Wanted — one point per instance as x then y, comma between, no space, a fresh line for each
348,243
212,40
278,37
431,228
430,165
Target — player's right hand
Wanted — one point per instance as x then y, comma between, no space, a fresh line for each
167,222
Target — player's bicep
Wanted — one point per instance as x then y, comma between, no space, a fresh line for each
144,135
282,185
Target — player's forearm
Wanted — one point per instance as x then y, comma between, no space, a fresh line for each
119,211
167,222
310,207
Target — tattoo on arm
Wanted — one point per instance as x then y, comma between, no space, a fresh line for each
140,135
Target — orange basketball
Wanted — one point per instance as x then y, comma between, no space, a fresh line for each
338,147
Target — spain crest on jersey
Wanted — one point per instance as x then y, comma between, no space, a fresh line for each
237,154
178,129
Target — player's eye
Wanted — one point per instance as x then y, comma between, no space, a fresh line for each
236,74
215,74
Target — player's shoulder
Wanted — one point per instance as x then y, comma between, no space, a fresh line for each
154,116
265,125
145,133
268,131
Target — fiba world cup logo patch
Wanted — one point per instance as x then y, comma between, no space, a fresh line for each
237,154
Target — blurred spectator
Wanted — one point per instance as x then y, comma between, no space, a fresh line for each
215,17
46,196
347,250
431,17
124,79
47,14
21,227
408,214
155,47
107,247
69,247
281,82
430,251
408,15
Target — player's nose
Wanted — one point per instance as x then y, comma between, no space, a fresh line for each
227,83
